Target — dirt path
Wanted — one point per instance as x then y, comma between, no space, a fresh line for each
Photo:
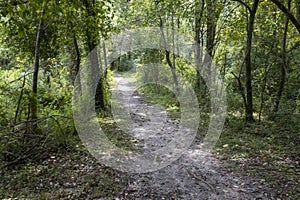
195,175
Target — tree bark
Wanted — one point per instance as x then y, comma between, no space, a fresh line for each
36,72
262,99
96,72
199,9
248,63
284,64
211,24
173,68
168,58
78,57
20,100
241,88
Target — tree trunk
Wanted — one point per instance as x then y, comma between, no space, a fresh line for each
212,16
19,101
262,99
297,2
248,64
35,73
173,70
284,64
78,58
96,72
241,88
199,8
168,58
97,75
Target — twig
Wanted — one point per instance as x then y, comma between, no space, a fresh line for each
19,100
23,76
241,88
203,181
244,4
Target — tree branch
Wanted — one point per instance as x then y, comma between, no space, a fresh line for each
295,46
288,13
24,75
244,4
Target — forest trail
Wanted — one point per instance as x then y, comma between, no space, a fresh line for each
195,175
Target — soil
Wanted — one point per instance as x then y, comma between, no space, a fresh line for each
197,174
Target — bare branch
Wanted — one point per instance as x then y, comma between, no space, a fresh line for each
295,46
244,4
24,75
288,13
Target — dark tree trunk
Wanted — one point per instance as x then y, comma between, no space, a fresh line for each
96,72
19,101
168,58
78,57
262,99
211,24
241,88
199,8
33,103
173,70
284,64
248,63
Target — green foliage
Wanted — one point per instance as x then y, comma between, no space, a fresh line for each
71,28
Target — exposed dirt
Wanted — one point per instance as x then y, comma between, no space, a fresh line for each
195,175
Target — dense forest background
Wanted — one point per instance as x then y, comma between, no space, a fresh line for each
254,44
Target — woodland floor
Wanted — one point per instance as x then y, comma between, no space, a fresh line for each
195,175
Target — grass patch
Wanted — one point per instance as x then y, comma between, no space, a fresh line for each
270,150
157,94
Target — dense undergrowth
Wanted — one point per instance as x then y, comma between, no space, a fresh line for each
65,172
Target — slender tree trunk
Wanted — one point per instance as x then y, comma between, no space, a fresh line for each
103,78
199,9
212,16
168,57
173,68
241,88
35,73
248,63
284,64
20,100
262,99
78,58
